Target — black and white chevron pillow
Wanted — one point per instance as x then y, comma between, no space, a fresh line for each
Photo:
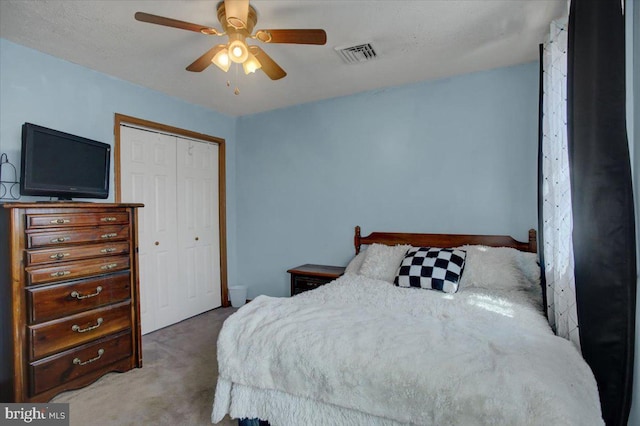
431,268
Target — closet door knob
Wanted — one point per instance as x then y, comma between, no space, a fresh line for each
197,238
157,243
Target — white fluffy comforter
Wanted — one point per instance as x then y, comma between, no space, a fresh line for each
403,356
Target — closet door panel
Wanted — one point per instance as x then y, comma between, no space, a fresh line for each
199,238
148,175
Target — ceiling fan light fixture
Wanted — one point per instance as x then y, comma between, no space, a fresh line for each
238,49
251,64
221,60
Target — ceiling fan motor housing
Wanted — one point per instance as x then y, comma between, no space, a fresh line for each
252,19
237,31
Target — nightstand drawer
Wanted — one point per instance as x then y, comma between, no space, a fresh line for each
309,277
301,284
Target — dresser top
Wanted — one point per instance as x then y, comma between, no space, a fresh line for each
66,204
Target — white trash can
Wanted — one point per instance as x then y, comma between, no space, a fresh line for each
238,295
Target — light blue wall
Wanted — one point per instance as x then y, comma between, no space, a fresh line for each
453,155
48,91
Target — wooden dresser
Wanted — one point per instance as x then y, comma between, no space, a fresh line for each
69,296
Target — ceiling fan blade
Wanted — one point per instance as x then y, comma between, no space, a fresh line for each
237,12
269,66
168,22
204,61
314,36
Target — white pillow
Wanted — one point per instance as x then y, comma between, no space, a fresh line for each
356,263
499,268
382,262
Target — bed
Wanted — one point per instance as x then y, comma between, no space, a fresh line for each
468,346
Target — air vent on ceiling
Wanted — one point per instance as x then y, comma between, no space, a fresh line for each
355,54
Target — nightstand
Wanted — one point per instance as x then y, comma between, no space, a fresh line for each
307,277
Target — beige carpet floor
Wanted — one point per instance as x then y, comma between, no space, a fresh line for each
174,387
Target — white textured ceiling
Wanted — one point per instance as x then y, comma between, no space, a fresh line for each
415,41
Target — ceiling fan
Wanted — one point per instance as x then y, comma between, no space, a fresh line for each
238,18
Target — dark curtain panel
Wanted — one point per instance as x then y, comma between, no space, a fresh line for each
602,198
543,280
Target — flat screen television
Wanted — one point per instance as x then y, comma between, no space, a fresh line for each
57,164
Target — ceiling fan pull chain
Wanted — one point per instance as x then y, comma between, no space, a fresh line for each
236,91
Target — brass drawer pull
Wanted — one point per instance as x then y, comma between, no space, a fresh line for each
59,256
109,219
78,362
110,235
109,266
60,239
60,221
108,250
79,297
77,328
60,274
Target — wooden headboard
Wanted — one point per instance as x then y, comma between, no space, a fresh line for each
445,240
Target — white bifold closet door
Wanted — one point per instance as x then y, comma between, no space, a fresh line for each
179,240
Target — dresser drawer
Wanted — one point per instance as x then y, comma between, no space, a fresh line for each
58,220
62,254
70,270
66,366
77,235
58,300
57,335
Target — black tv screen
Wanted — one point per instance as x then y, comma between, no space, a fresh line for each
58,164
